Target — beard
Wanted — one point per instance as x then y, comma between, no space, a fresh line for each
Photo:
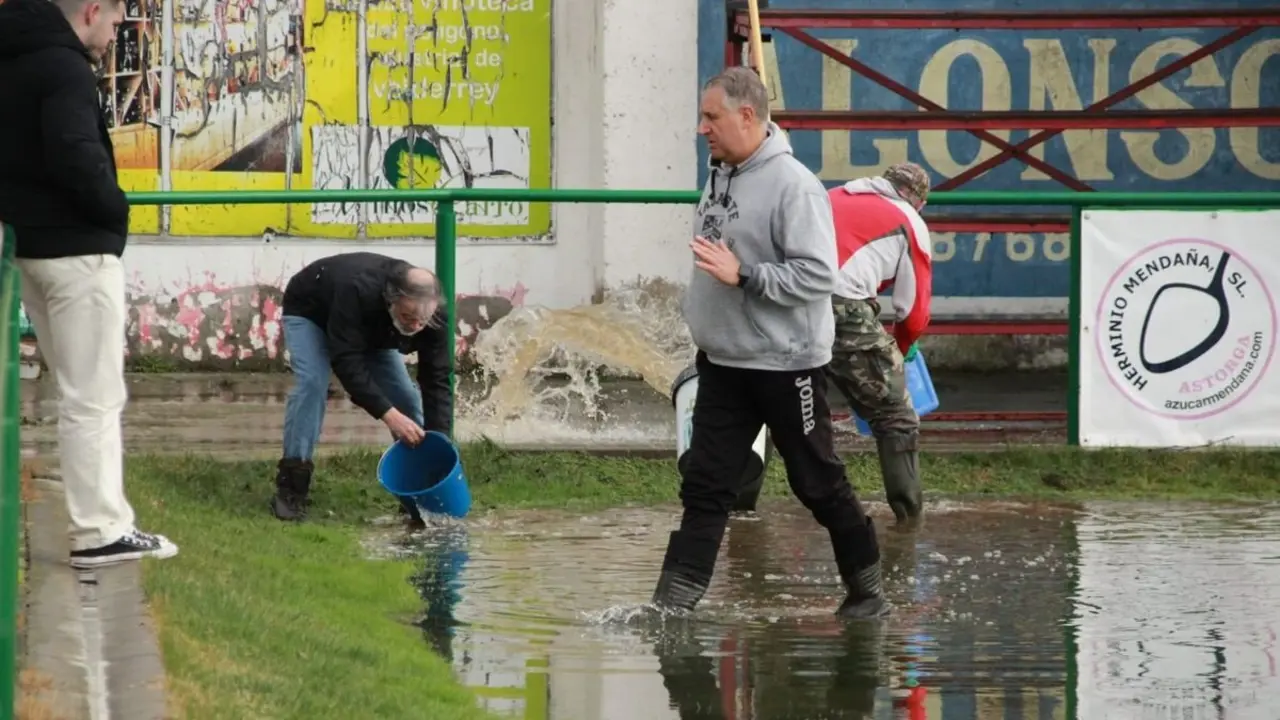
404,330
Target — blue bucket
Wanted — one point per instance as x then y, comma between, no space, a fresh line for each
429,474
919,385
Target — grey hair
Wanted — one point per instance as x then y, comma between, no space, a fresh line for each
742,86
400,286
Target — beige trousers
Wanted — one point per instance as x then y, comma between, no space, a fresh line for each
77,306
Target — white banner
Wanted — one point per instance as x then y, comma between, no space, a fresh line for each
1178,328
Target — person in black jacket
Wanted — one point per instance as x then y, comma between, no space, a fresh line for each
58,190
358,314
58,185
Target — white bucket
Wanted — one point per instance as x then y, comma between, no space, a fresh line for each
684,393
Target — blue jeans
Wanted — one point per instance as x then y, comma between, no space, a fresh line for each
309,358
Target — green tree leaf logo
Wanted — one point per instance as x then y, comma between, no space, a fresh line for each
413,164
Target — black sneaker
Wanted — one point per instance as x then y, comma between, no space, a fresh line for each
133,546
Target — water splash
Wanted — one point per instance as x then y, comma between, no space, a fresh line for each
622,615
550,361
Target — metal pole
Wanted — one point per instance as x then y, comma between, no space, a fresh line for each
446,270
1073,333
166,110
757,43
362,112
10,515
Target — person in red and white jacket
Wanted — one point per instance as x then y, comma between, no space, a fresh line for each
883,242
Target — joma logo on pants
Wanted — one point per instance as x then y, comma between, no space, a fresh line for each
805,386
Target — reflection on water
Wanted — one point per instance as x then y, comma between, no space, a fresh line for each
1003,612
1178,613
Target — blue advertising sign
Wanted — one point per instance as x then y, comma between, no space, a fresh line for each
1024,70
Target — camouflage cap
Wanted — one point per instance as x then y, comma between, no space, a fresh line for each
909,178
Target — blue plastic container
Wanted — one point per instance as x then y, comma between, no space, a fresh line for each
429,474
919,385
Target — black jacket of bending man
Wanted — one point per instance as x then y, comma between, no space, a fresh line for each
58,185
344,295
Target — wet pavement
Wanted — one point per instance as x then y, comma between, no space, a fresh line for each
1003,611
88,642
242,414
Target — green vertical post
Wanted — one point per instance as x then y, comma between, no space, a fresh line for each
447,271
10,513
1073,332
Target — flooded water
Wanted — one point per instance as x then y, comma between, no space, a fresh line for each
1002,612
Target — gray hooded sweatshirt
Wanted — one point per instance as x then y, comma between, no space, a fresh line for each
776,218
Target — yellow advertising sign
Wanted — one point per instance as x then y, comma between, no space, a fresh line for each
268,96
459,95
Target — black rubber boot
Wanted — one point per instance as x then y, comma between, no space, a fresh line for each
686,570
866,597
293,484
678,591
900,466
411,515
858,558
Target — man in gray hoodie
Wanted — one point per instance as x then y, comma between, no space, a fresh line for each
759,309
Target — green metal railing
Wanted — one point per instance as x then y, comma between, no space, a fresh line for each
10,467
446,266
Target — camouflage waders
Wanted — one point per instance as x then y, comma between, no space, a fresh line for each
868,369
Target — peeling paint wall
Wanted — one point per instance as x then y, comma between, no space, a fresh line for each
234,90
217,326
333,94
206,323
213,307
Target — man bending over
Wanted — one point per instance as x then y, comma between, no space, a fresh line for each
359,314
882,241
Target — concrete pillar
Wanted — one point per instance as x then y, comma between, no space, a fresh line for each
625,116
650,118
578,79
